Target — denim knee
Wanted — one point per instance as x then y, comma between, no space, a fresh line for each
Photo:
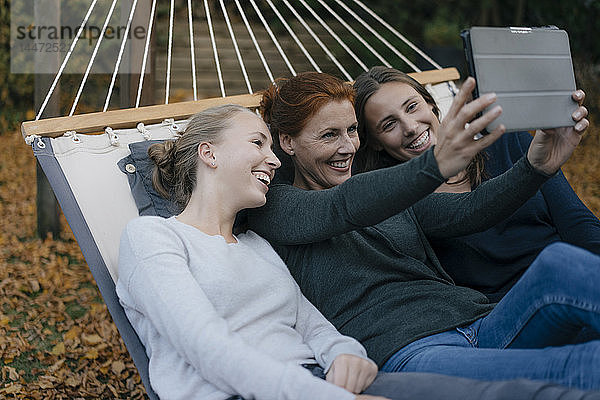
561,262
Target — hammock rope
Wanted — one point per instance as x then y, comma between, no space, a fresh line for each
64,63
121,50
254,41
214,47
169,52
145,58
294,36
398,35
273,38
377,35
334,35
93,57
235,46
355,34
296,13
319,42
192,49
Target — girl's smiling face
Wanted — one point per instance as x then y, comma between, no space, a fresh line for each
400,121
246,160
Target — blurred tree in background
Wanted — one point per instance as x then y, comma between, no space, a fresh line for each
16,91
433,24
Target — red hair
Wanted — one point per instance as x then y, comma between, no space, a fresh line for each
288,104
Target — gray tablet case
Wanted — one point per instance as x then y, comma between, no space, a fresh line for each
530,70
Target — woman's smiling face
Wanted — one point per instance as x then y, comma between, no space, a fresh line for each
324,149
400,121
245,160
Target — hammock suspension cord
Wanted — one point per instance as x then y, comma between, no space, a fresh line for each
62,66
235,46
145,59
347,26
254,41
214,47
93,57
273,38
169,52
118,63
192,49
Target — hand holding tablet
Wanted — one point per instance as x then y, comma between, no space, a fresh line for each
529,69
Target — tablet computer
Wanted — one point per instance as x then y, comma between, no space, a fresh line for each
530,70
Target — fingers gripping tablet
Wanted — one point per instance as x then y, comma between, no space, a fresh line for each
529,69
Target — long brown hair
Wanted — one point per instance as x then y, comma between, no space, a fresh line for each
367,158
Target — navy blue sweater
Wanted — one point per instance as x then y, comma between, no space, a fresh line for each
492,261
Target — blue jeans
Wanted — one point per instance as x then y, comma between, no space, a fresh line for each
527,335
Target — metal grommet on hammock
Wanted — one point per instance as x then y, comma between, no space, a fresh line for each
173,127
73,135
451,88
144,131
29,140
114,138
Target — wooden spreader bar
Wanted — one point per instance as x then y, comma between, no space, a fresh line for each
129,117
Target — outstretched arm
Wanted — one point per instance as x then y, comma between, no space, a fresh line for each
293,216
446,214
443,215
297,216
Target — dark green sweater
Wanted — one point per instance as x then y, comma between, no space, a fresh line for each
361,254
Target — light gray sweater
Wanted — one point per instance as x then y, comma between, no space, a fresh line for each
221,319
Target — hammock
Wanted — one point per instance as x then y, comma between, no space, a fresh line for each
93,188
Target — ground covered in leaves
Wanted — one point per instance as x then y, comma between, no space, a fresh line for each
57,340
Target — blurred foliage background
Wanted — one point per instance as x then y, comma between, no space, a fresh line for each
56,337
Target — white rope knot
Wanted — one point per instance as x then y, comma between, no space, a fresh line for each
112,136
73,135
144,131
30,139
173,127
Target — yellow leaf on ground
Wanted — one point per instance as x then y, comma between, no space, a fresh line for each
96,308
73,381
35,285
56,365
91,339
72,333
91,355
12,373
58,349
13,388
118,367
